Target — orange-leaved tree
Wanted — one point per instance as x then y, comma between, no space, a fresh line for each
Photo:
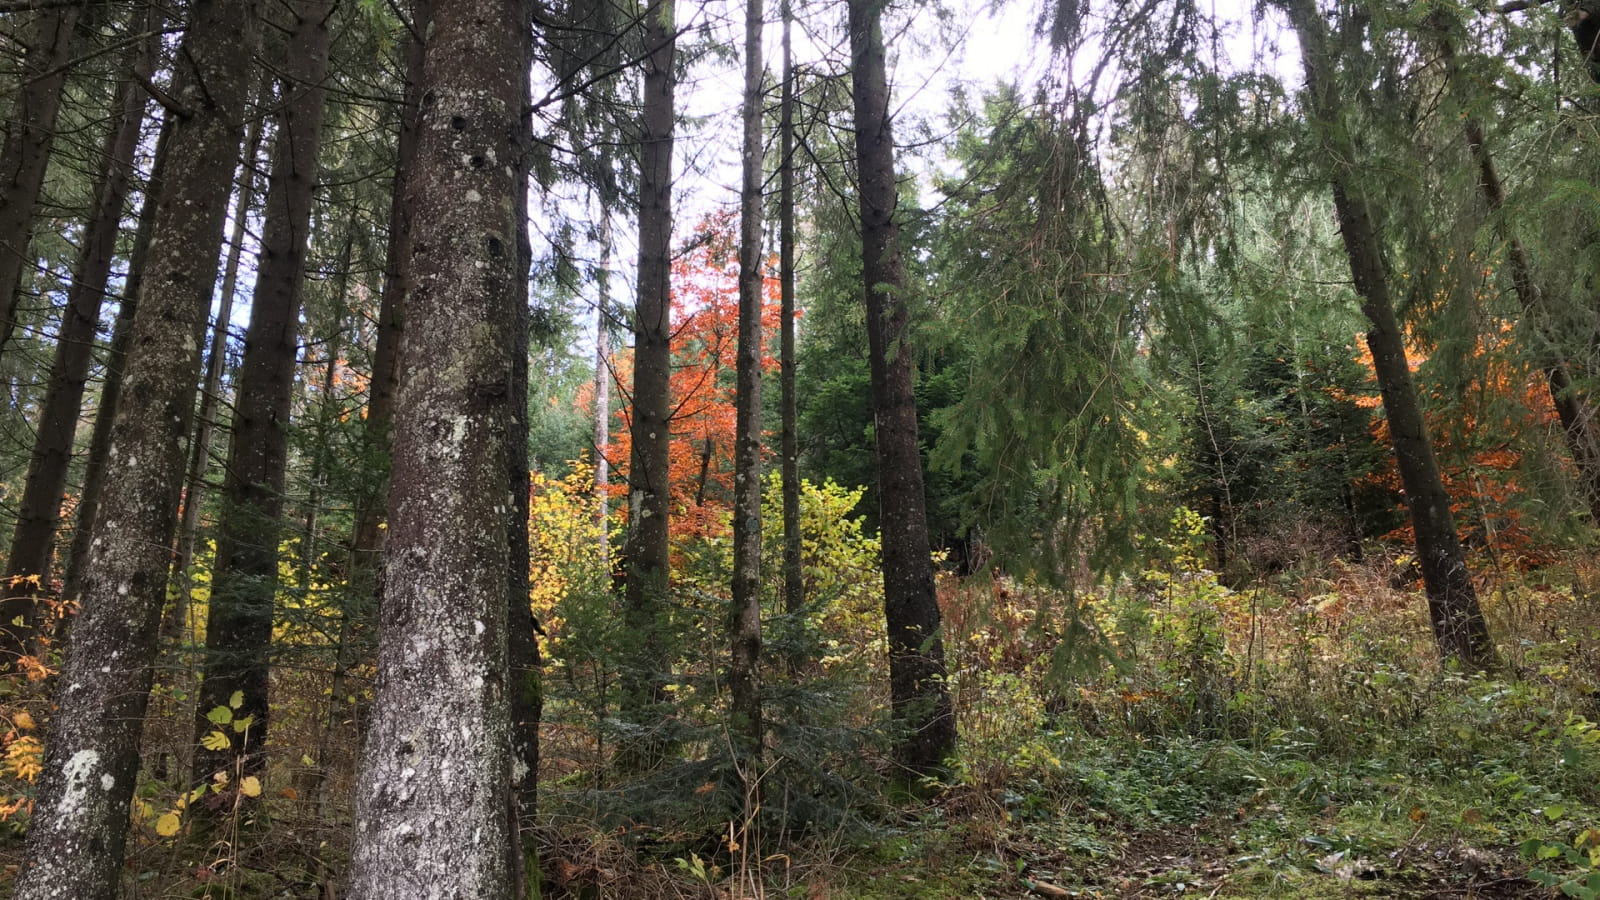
1479,426
705,328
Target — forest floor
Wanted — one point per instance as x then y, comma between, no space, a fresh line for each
1294,740
1297,743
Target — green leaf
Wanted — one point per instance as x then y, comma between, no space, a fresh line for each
237,700
1554,813
239,725
220,716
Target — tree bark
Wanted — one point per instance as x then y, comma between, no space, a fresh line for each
646,552
116,360
244,577
54,41
363,586
28,564
794,596
435,799
602,387
1458,624
522,642
75,843
919,697
744,672
194,492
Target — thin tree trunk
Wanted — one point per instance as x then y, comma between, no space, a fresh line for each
522,638
1458,623
309,781
385,382
794,592
602,388
28,564
363,586
244,577
744,671
319,456
75,841
111,390
54,41
434,803
918,694
194,493
1572,407
646,554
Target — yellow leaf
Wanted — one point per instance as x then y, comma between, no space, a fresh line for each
168,825
250,786
216,742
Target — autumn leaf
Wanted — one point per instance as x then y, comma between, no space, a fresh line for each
250,786
168,825
216,742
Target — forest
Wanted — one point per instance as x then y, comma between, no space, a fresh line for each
501,449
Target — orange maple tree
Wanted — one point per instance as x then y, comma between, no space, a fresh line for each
705,317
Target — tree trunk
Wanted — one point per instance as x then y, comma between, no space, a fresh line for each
919,696
28,564
53,42
74,845
794,596
602,388
194,492
1572,406
116,359
1458,623
744,672
244,577
646,553
434,803
522,640
363,586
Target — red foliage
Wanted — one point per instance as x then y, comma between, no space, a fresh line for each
705,318
1477,439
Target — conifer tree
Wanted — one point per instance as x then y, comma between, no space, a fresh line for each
435,811
1458,624
75,842
920,697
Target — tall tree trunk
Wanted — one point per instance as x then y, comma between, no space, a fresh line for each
436,791
75,842
28,564
1458,623
244,578
918,693
646,553
522,640
363,584
194,492
53,42
322,438
602,387
794,591
116,359
744,672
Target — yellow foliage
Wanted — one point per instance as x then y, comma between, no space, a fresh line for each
564,532
24,758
